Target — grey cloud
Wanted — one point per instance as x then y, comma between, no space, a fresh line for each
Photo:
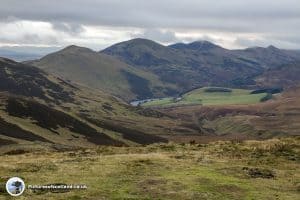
291,38
156,13
202,38
266,41
157,35
69,28
251,43
275,18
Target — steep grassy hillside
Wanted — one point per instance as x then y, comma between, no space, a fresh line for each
31,110
30,81
103,72
211,96
38,110
221,170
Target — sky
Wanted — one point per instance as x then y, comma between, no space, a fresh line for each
98,24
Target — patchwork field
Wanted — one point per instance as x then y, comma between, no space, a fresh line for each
211,96
220,170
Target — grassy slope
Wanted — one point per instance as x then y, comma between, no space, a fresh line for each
99,111
68,115
200,96
221,170
98,71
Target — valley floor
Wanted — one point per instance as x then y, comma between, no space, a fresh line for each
221,170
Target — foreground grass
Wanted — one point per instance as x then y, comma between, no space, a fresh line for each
221,170
202,97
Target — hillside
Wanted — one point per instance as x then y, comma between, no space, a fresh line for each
269,57
100,71
201,63
286,75
38,110
184,67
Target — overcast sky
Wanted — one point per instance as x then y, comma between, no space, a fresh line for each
98,23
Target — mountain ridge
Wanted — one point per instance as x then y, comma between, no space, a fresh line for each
201,45
142,68
201,63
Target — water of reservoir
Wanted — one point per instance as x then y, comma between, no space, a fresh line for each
138,102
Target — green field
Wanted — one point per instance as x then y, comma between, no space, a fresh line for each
203,96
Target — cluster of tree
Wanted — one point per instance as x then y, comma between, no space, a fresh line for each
218,89
266,98
267,90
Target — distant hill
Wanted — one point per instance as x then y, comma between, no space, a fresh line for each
101,71
269,57
141,68
198,46
200,63
145,53
286,75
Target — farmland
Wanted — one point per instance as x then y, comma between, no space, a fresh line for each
211,96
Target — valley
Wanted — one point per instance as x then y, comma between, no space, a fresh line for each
175,122
88,93
149,100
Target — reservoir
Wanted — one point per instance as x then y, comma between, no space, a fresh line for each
138,102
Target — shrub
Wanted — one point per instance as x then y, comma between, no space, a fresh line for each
259,173
266,98
267,90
